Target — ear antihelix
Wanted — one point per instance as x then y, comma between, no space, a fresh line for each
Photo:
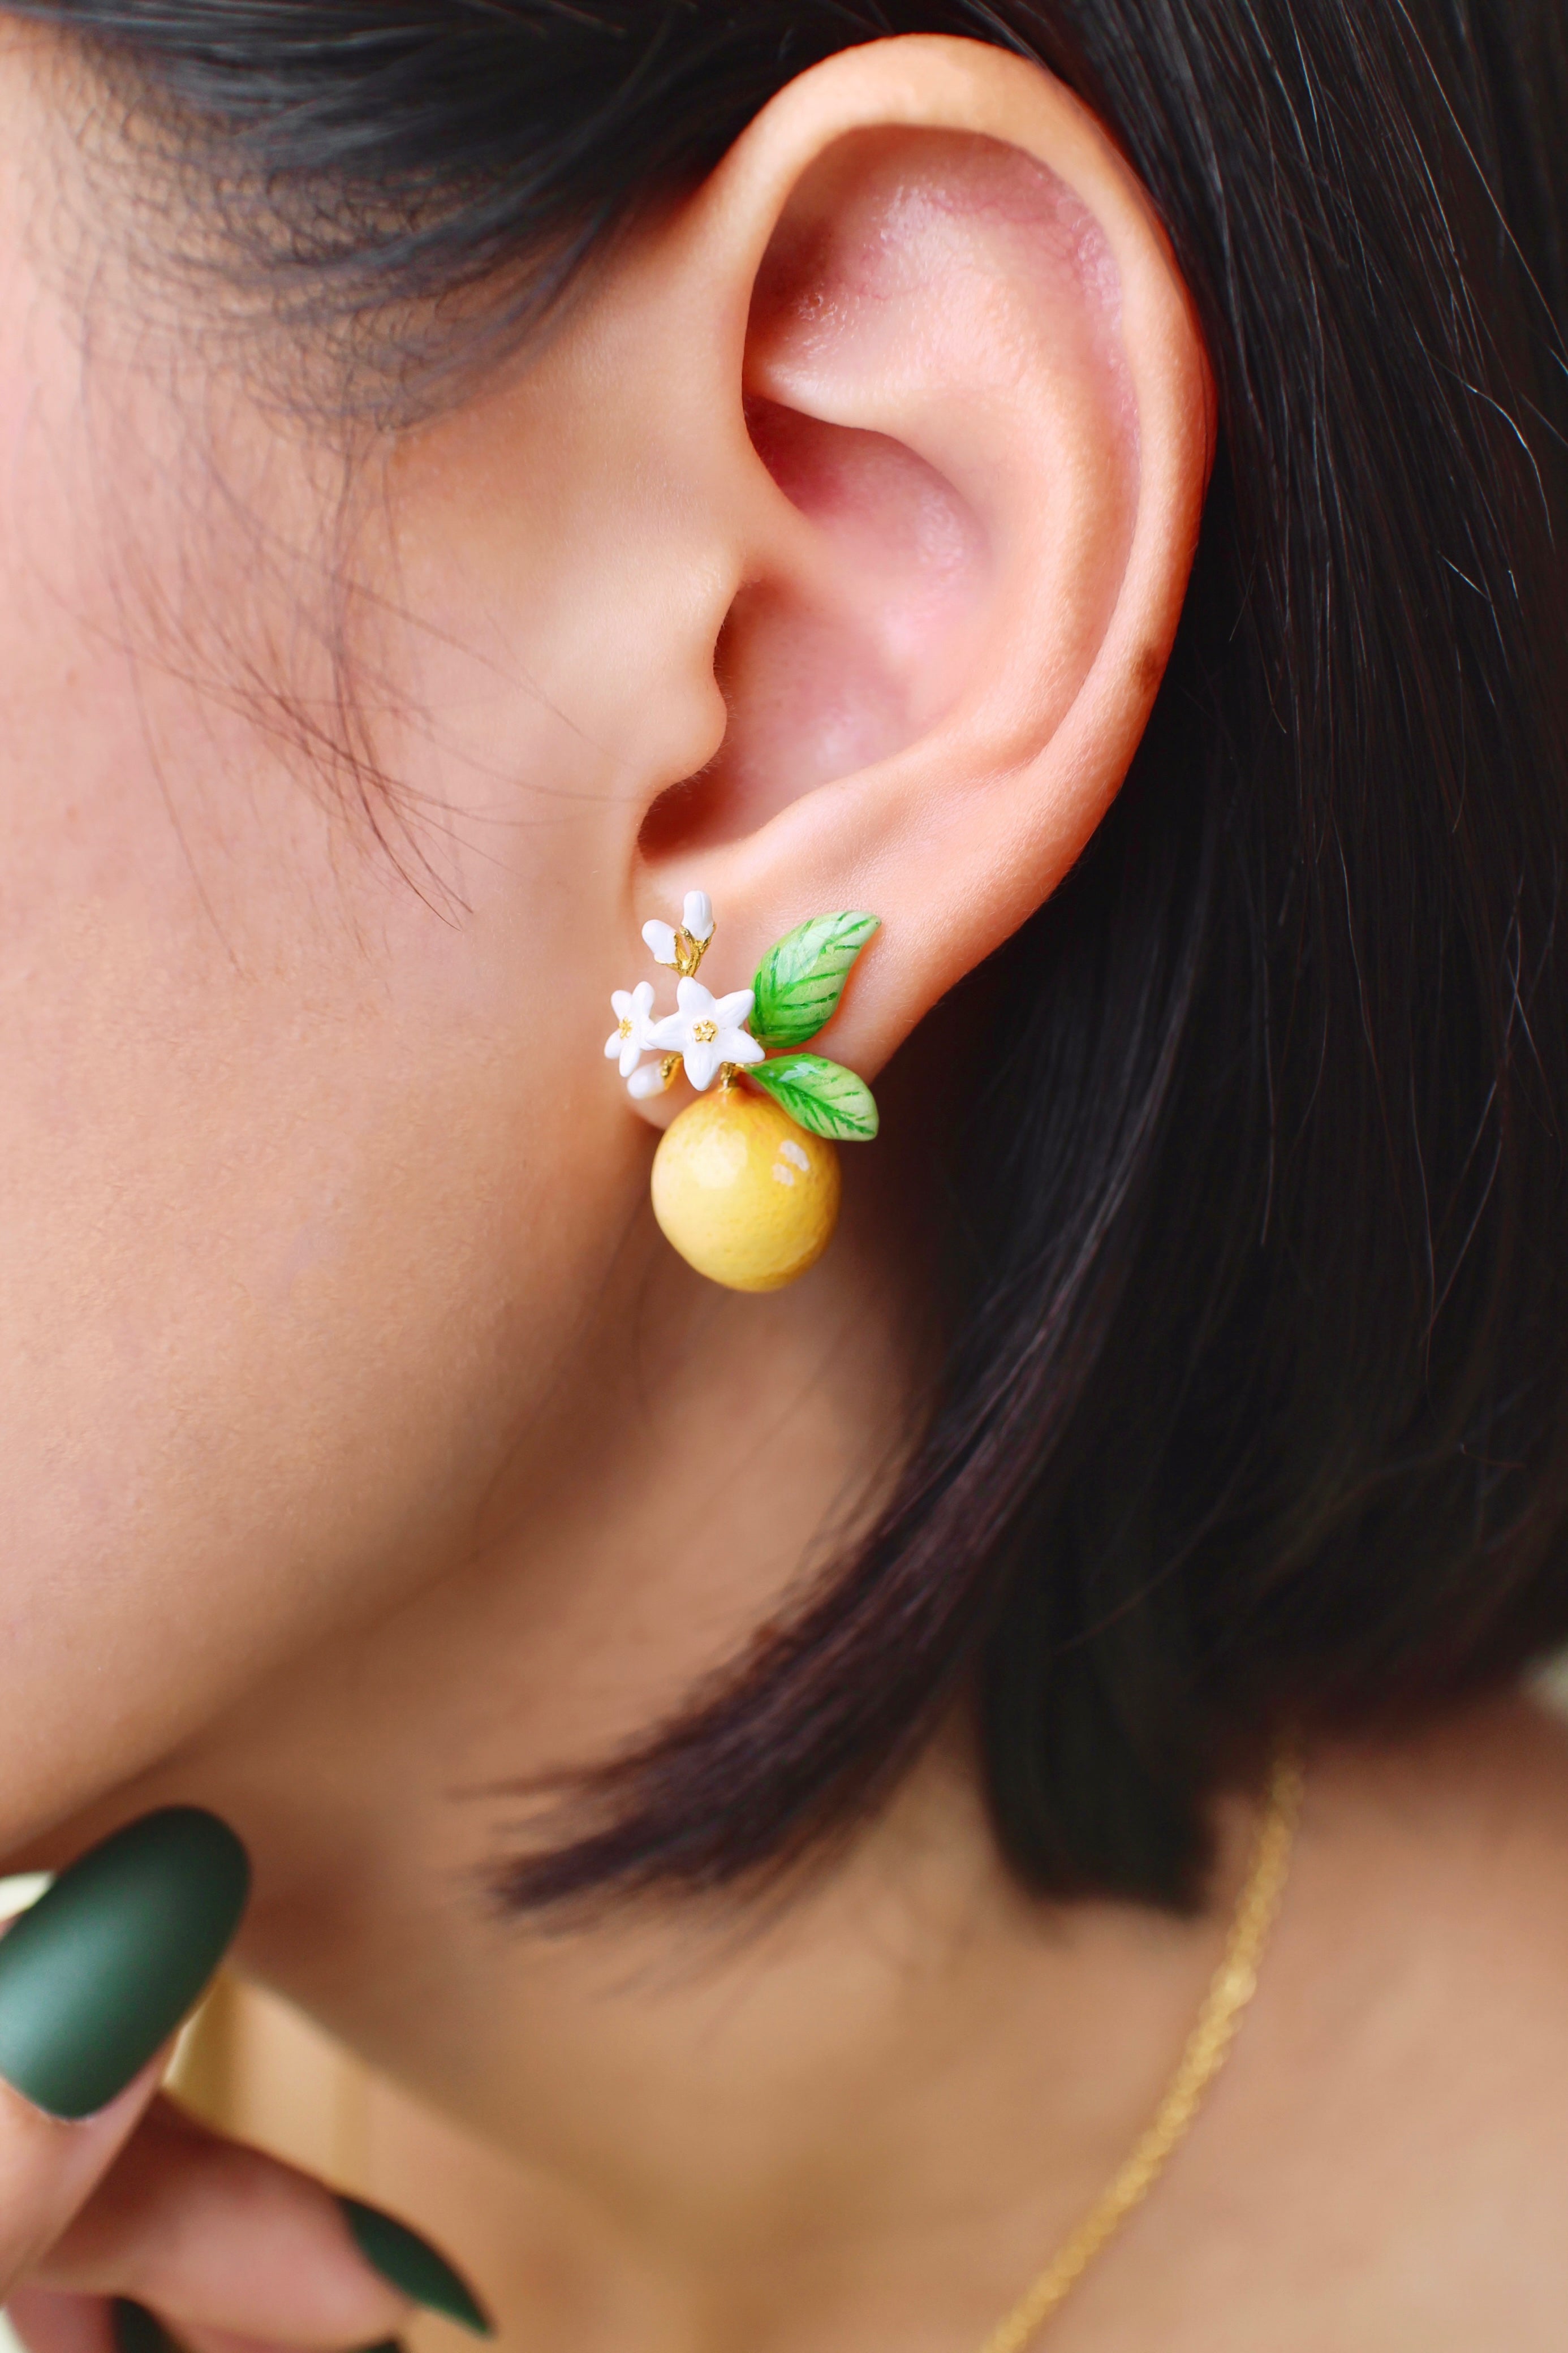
746,1184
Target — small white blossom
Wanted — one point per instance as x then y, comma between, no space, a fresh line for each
629,1040
683,948
707,1032
647,1083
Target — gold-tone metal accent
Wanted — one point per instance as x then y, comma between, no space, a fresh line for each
704,1032
689,953
1208,2045
626,1027
728,1076
667,1068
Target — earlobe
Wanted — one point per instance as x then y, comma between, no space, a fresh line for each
981,424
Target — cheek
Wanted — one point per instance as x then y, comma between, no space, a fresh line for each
291,1223
305,1159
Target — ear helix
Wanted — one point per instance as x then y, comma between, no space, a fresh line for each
746,1185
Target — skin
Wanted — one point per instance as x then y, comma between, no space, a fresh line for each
368,1453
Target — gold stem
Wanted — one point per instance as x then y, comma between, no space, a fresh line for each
689,953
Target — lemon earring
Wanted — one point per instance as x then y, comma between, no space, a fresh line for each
746,1186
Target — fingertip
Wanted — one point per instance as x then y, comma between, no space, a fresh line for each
409,2262
99,1973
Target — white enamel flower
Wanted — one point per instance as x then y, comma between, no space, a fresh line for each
629,1040
707,1032
696,921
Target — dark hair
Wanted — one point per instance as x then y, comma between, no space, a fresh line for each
1253,1413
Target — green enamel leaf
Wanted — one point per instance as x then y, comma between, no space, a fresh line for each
800,981
820,1095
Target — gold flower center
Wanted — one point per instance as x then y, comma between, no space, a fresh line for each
704,1032
625,1029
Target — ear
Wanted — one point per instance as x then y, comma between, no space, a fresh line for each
960,409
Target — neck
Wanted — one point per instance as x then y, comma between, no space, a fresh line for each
870,2120
865,2116
870,2105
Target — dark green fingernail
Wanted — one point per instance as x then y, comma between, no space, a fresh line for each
98,1974
137,2330
413,2265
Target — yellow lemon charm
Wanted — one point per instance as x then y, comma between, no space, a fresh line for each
748,1197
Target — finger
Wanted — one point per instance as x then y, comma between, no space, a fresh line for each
47,2322
93,1981
48,2168
214,2236
224,2341
217,2237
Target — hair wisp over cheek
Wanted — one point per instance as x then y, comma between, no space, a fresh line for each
1253,1411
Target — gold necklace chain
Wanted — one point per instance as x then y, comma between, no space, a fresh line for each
1208,2047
